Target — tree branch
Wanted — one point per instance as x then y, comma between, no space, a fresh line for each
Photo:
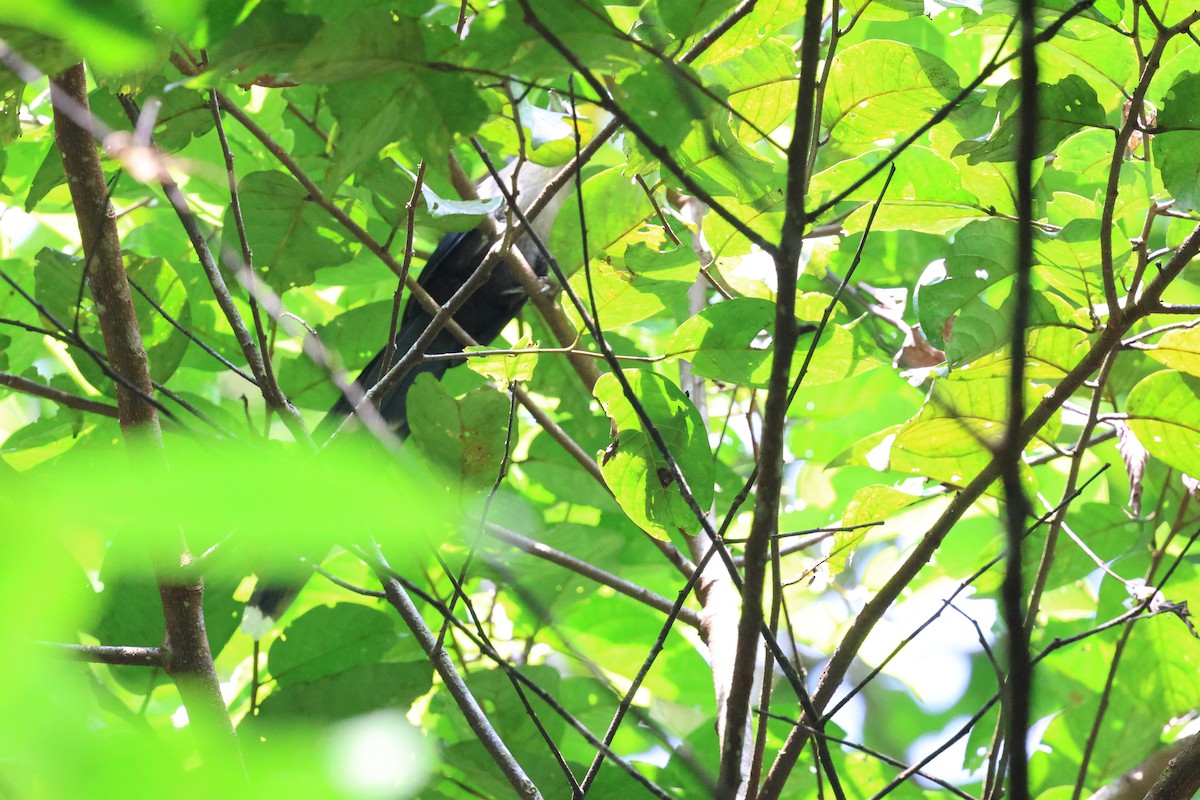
186,654
112,654
587,570
475,716
846,650
1148,775
26,386
770,460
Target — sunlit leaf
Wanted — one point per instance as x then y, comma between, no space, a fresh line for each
1178,349
879,88
1164,413
464,436
636,470
288,234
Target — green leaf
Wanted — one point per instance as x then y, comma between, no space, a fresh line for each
505,369
633,466
729,341
980,257
280,503
112,36
870,504
1094,50
408,106
165,343
1164,413
1175,148
1180,111
965,416
290,236
1179,161
615,208
359,43
58,283
49,176
457,215
761,83
879,89
464,436
643,284
665,102
1069,260
12,89
1064,108
1051,352
328,640
267,41
685,18
1179,350
927,194
356,690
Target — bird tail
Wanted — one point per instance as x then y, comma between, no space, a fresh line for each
274,593
393,406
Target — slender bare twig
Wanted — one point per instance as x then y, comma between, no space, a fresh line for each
1019,685
410,216
111,654
66,335
191,336
997,63
1132,122
26,386
501,474
1141,611
259,359
534,717
962,587
647,663
592,572
770,461
1076,462
474,714
649,142
545,696
886,759
1156,557
793,678
534,285
254,358
1109,338
662,218
418,292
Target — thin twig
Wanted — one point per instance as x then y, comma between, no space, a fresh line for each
26,386
590,571
410,215
111,654
474,714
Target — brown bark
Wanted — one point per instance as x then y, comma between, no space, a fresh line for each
1181,779
102,251
186,653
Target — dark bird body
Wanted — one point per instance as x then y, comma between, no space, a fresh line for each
483,317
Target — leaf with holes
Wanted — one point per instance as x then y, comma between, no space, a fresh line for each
1164,414
635,468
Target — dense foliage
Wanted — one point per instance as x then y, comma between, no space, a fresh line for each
538,477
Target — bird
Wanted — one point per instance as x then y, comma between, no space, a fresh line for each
483,317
